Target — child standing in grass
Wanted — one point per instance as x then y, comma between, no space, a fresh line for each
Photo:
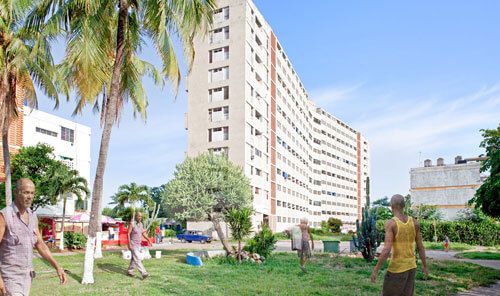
446,243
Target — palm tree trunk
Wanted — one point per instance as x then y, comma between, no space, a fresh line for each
220,233
95,214
6,158
61,241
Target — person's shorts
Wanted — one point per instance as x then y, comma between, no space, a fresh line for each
446,245
399,284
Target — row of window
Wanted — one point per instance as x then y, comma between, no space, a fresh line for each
289,205
67,134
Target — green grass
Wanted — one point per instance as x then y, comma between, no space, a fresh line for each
280,275
479,255
453,246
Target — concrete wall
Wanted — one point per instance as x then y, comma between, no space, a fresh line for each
449,187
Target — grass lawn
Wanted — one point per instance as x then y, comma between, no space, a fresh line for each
453,246
479,255
280,275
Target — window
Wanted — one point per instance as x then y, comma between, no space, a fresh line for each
258,153
219,35
46,132
218,54
258,172
218,74
67,134
218,134
218,94
81,205
218,114
219,150
221,14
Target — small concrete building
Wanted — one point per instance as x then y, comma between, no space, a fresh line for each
449,187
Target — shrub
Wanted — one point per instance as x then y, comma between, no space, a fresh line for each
334,224
472,233
74,240
170,233
152,228
262,243
466,232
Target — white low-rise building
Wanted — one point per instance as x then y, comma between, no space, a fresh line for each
448,187
71,143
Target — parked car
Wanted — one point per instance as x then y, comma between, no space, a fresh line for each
194,235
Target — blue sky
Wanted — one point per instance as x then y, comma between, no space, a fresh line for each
418,79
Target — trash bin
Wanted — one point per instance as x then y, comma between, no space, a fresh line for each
331,246
352,248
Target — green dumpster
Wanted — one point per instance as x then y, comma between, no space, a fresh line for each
331,246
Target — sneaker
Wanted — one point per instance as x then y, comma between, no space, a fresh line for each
145,276
130,275
303,269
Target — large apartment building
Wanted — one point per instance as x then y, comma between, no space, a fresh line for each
245,99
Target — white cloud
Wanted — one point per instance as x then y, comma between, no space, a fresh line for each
402,130
331,95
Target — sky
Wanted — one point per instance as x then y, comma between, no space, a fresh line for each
418,79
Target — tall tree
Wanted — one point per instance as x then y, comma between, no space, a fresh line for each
207,187
36,163
131,194
487,197
104,37
157,195
64,183
25,61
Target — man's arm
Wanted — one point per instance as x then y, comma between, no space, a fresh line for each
311,236
129,231
389,239
45,253
144,234
420,247
2,232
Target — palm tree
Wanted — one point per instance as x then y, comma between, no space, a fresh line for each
64,183
25,60
131,194
103,39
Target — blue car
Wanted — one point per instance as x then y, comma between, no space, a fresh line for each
194,235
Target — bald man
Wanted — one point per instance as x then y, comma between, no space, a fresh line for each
401,233
19,235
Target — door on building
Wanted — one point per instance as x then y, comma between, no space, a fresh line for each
265,220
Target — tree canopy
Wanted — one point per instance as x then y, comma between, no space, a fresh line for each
207,187
487,197
207,184
38,164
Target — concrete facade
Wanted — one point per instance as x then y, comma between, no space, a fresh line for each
71,143
449,187
246,99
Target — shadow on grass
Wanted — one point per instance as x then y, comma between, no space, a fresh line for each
73,276
112,268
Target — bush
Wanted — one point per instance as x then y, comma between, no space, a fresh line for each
334,224
262,243
472,233
170,233
74,240
466,232
152,228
